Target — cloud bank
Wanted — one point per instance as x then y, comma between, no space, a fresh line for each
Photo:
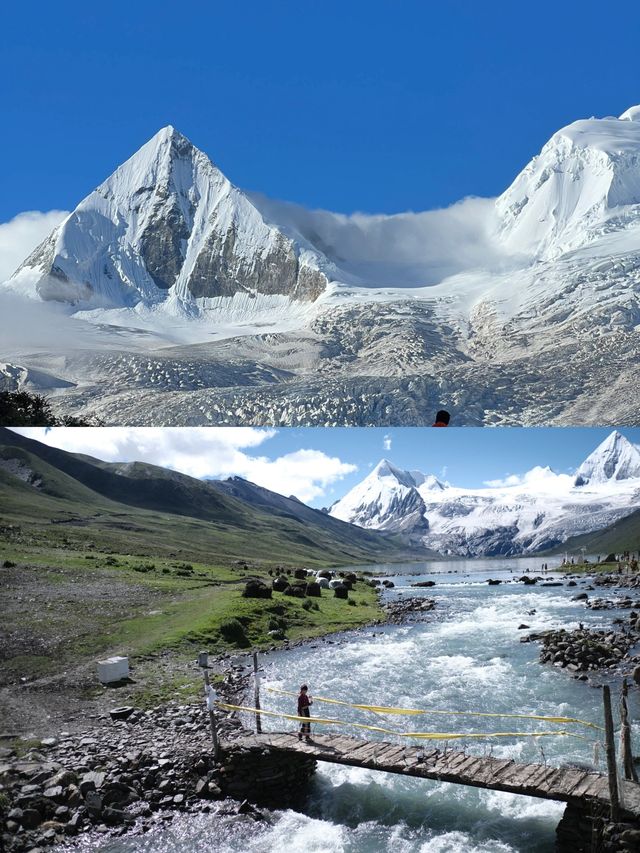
402,250
20,236
538,478
205,452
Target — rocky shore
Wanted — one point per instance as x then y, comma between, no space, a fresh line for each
127,776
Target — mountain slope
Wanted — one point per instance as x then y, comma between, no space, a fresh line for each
310,318
101,500
622,535
167,224
584,183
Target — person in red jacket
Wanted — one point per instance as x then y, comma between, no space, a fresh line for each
304,701
442,419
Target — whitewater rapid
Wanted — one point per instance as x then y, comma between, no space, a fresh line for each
465,656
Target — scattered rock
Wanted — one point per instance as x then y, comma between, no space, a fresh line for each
121,713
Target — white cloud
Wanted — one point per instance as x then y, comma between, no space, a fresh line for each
20,236
216,452
538,478
405,249
386,442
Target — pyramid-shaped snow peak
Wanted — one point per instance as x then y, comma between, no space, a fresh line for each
168,223
616,458
584,182
385,469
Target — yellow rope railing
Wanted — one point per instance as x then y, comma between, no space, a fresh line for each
381,709
420,735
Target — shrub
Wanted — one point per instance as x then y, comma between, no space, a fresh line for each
351,602
19,408
232,631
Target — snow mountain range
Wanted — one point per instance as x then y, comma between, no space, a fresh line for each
218,306
538,511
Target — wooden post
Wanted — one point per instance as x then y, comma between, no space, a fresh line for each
212,716
611,755
625,736
256,687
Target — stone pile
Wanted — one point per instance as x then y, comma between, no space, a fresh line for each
584,650
263,776
580,831
612,604
400,611
627,581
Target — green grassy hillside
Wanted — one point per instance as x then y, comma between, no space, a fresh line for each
623,535
56,498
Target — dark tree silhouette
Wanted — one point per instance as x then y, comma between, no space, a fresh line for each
19,408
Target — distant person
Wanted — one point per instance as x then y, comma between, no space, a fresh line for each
304,702
442,418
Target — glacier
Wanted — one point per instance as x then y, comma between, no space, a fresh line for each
214,305
538,511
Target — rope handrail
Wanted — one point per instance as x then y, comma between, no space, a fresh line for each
418,735
381,709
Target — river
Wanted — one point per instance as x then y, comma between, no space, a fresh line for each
464,656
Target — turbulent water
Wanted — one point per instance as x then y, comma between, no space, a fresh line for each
466,656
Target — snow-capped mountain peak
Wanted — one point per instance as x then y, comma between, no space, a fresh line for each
540,510
167,223
616,458
587,175
385,469
632,114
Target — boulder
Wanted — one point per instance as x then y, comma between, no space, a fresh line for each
295,591
256,589
91,782
121,713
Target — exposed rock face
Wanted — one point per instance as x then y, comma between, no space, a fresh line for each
221,270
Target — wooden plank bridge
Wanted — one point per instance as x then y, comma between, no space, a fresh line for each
567,784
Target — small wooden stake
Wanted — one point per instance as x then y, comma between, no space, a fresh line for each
256,683
212,716
611,755
625,736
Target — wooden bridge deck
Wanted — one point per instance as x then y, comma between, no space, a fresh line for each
568,785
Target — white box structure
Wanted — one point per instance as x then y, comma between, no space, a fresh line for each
113,669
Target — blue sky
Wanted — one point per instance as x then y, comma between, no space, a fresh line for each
319,465
465,457
377,106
